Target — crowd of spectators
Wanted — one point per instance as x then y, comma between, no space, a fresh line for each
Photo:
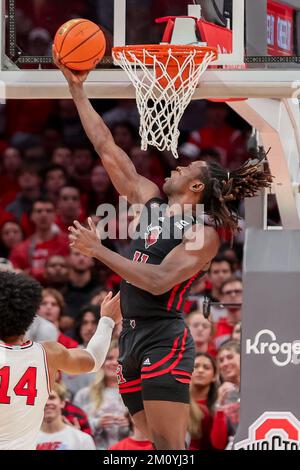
50,176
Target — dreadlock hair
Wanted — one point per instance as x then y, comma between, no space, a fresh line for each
224,188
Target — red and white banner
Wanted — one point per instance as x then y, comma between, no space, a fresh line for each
280,29
272,431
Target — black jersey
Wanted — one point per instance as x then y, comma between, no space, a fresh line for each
158,235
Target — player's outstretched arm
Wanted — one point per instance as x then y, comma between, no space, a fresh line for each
79,361
188,258
118,165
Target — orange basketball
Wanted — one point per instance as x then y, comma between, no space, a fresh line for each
80,43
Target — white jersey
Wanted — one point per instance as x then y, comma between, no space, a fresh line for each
24,391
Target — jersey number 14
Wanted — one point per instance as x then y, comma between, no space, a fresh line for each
26,386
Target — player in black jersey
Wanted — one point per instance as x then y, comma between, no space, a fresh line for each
156,348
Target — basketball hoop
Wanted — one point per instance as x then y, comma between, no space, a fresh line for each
165,78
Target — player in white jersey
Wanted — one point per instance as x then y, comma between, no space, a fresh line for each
27,369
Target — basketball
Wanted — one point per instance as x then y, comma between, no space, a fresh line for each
80,44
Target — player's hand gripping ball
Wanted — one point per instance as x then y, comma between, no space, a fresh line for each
80,44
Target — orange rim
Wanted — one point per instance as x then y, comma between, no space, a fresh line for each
226,100
161,52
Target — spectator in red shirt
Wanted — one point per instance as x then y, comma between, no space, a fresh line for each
55,178
52,309
203,395
136,441
68,207
32,254
202,331
231,292
10,235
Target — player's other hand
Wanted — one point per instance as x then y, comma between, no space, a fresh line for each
110,307
85,240
74,77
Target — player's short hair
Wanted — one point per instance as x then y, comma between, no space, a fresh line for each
20,297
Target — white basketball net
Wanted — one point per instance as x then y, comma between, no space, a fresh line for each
161,106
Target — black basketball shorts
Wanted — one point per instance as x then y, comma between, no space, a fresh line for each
156,361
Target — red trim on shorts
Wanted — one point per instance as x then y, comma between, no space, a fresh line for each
173,365
182,346
131,390
181,372
130,383
164,359
183,381
172,296
185,289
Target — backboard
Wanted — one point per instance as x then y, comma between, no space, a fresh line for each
265,37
